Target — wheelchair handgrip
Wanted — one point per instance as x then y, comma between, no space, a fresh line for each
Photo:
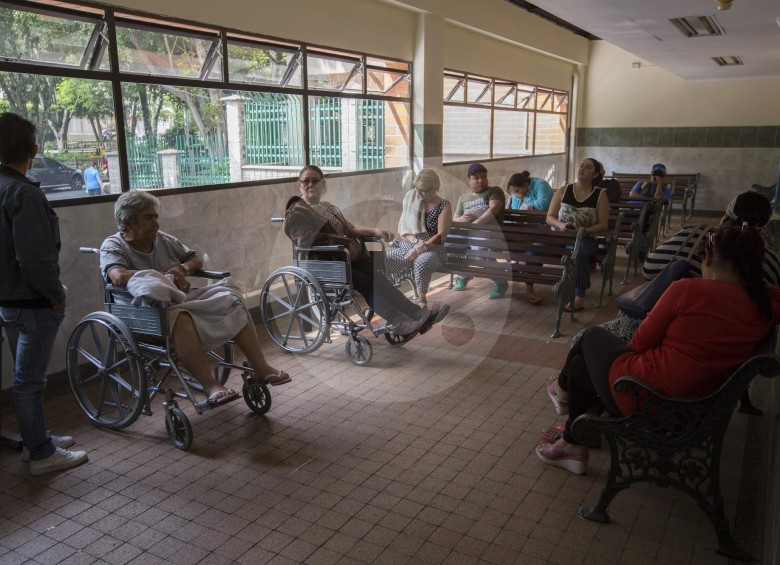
89,250
210,274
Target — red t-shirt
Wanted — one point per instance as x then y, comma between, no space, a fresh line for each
694,337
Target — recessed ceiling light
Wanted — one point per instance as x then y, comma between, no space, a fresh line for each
698,26
729,61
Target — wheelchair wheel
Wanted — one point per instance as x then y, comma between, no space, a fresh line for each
294,310
257,396
360,353
180,433
105,371
396,340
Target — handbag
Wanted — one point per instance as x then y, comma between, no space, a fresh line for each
637,302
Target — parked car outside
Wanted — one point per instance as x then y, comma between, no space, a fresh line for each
53,174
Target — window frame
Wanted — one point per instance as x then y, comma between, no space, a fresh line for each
112,17
520,104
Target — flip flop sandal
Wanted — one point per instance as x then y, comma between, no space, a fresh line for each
222,397
280,378
534,300
570,308
551,434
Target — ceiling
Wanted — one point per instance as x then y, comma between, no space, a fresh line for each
642,27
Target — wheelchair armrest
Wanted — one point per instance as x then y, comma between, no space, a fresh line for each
204,274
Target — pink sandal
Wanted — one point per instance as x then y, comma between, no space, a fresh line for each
561,406
554,456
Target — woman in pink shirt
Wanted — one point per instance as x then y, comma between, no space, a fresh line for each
694,337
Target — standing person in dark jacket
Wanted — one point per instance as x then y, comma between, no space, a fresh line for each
32,298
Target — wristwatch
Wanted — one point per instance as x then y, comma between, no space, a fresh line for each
187,272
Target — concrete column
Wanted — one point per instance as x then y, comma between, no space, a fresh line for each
349,139
114,176
428,81
170,167
236,135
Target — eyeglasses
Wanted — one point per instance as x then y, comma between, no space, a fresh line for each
309,181
707,244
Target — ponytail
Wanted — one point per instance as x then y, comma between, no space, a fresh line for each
744,249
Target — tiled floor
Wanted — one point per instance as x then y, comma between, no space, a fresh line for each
424,456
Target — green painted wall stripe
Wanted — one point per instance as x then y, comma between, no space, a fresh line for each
732,136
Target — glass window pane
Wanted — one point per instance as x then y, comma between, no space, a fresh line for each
273,126
388,83
505,95
74,119
478,92
179,137
260,65
166,53
358,135
513,133
561,102
544,100
466,133
388,64
526,97
45,39
550,134
327,73
454,90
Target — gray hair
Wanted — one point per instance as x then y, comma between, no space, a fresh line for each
132,203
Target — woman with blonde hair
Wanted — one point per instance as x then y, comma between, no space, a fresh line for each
425,221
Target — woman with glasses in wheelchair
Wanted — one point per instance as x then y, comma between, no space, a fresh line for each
310,221
140,245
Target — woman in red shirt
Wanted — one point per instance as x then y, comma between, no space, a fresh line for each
694,337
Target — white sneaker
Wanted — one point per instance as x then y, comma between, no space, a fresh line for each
60,460
58,441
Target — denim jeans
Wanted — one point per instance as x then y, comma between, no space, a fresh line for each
31,333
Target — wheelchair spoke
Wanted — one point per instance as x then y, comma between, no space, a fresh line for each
96,341
89,357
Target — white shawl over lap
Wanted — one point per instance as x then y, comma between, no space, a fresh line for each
218,310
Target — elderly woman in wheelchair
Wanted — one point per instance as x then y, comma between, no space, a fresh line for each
311,221
140,245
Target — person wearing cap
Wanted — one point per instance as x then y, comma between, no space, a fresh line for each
425,222
655,188
482,205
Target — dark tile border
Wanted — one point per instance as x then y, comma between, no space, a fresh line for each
711,137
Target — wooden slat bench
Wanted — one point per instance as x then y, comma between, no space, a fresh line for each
502,253
684,186
607,244
674,442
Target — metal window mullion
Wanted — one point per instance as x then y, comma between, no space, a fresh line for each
305,105
119,113
491,85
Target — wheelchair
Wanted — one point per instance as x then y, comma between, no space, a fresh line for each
118,360
303,304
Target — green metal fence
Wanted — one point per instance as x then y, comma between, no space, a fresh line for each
144,164
274,131
371,133
325,131
202,160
